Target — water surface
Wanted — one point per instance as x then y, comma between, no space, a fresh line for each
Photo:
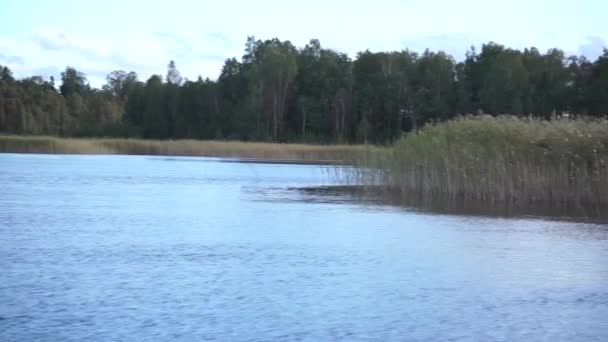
135,248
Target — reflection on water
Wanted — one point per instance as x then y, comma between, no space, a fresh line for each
380,195
122,248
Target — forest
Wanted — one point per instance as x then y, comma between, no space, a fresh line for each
277,92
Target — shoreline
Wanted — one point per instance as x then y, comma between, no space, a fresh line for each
238,151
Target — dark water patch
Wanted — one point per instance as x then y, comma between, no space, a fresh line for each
186,159
280,161
203,159
384,195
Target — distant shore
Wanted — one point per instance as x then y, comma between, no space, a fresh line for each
239,151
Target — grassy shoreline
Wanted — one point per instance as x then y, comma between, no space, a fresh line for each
481,159
499,160
326,154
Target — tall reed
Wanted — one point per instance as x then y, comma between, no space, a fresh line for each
499,159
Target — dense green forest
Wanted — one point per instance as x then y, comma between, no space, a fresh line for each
277,92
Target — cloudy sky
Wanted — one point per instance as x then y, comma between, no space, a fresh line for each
96,37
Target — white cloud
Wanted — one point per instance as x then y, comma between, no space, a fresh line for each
594,48
11,60
199,35
50,49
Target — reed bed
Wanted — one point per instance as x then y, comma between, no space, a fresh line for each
498,159
231,149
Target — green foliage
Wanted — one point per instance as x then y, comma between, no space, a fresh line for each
73,82
120,84
277,92
6,75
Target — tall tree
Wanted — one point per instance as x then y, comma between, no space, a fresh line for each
154,115
120,83
598,87
6,74
173,75
275,68
73,82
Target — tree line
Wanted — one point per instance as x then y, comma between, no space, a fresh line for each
277,92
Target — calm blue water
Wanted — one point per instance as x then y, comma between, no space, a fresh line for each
134,248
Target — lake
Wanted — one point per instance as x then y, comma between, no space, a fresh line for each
139,248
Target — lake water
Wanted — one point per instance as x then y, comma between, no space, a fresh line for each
136,248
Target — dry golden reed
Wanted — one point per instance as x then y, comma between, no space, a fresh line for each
233,149
499,159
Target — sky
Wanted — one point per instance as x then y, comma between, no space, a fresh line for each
99,36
